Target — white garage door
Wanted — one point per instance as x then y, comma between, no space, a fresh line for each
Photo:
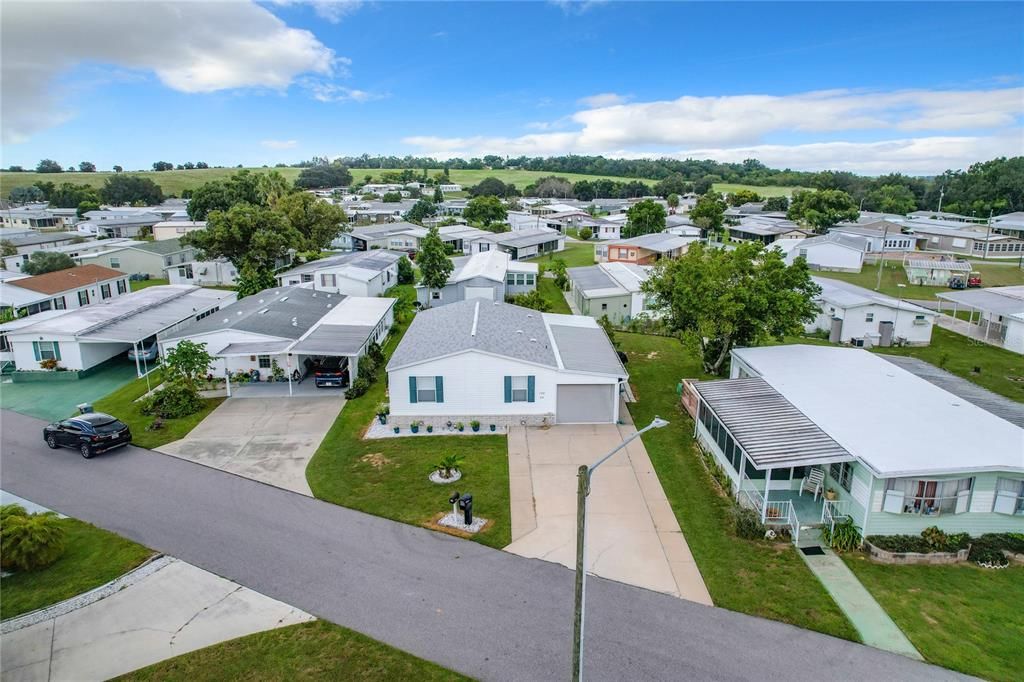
480,292
585,404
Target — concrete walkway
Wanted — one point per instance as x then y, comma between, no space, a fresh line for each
571,302
872,623
633,536
266,439
177,609
971,331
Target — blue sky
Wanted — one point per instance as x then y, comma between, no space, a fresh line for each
872,87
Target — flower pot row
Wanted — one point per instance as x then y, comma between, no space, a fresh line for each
417,425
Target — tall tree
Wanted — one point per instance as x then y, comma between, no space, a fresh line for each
41,262
742,196
120,190
247,235
252,280
317,221
718,299
24,195
489,187
163,166
324,176
672,200
435,266
118,169
674,184
68,195
822,208
221,195
391,197
420,211
898,199
438,195
272,187
87,167
48,166
406,274
85,207
485,210
645,217
776,204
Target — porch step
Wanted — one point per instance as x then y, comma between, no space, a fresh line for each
810,536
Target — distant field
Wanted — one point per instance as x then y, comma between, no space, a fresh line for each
176,181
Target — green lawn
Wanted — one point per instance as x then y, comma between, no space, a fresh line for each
766,191
121,404
761,579
388,477
307,651
92,557
553,295
1001,371
893,275
961,617
137,284
574,255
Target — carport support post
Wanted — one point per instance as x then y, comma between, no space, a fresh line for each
138,370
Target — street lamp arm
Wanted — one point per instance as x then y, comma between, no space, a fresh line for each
656,424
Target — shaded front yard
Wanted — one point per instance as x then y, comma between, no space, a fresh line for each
962,617
388,477
92,558
758,578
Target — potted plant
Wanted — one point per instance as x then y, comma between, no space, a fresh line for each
493,427
415,426
460,426
475,425
276,371
831,495
430,428
397,429
49,364
383,410
447,469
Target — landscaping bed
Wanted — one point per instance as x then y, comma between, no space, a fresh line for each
755,577
91,558
308,651
935,547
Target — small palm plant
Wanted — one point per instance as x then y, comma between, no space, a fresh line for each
29,542
448,465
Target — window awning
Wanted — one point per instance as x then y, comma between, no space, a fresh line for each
771,430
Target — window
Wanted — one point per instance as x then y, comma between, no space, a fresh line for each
803,254
435,295
484,246
115,262
59,303
520,389
207,313
520,279
46,350
1009,497
264,362
510,279
927,498
869,317
842,473
604,306
530,280
307,278
185,272
83,297
105,291
122,286
328,280
426,389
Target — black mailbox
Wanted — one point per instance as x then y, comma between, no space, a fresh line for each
466,505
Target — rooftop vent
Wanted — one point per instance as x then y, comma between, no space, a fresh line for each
533,340
519,331
285,298
264,311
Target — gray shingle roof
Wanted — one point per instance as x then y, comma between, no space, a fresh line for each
769,428
289,313
586,349
40,238
498,328
162,247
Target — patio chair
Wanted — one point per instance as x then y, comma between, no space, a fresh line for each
813,482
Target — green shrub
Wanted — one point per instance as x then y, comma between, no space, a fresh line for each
935,538
173,401
368,368
843,537
29,542
747,523
360,386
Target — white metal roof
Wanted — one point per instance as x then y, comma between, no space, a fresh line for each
845,295
896,423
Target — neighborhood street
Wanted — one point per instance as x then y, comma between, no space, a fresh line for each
483,612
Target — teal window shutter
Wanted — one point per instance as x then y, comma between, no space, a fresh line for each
439,389
508,389
412,389
530,383
56,350
35,349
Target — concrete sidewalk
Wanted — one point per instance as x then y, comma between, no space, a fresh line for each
178,609
633,536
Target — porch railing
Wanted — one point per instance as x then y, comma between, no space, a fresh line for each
833,511
783,513
754,498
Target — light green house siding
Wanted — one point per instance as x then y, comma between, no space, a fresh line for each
977,520
854,501
615,307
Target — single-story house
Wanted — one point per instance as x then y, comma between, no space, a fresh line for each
1011,224
503,364
116,224
287,326
521,243
140,258
359,273
378,211
866,318
936,272
1000,318
219,272
524,220
172,229
766,232
85,337
965,239
32,218
833,251
489,275
900,453
73,250
27,243
62,289
450,187
546,209
879,235
643,250
611,290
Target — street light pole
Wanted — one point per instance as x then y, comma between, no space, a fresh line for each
582,491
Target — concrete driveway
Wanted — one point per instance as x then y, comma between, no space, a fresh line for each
632,534
177,609
266,439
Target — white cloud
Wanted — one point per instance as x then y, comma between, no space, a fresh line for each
331,10
605,99
192,47
576,7
743,126
279,144
324,91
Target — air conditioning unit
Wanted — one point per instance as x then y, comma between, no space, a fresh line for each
920,322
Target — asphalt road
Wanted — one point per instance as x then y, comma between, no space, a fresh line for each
479,611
